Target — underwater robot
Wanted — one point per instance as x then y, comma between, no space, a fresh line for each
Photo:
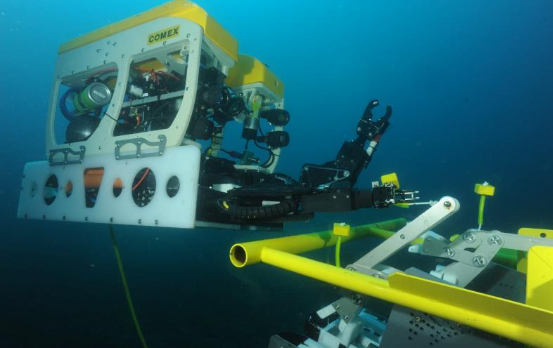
135,135
136,130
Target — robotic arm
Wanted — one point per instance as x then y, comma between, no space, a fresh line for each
329,187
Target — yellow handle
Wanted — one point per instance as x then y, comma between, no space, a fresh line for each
481,211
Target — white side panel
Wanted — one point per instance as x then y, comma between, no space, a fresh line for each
178,211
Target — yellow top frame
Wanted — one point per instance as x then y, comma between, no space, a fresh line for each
178,8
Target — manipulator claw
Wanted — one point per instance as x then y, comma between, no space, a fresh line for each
385,195
369,129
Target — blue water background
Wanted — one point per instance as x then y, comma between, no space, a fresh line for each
471,84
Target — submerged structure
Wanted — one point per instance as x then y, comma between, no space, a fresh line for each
137,133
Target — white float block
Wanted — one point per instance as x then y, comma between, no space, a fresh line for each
164,211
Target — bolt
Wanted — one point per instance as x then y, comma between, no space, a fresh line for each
139,221
469,237
418,319
425,250
479,261
402,236
449,251
346,317
110,219
494,240
447,204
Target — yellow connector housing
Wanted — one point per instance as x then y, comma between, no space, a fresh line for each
390,178
484,189
522,264
341,229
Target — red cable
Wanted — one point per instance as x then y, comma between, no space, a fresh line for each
141,179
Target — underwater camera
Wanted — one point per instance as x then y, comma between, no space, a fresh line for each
87,105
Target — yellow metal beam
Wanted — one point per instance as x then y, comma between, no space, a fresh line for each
526,324
522,264
249,253
539,281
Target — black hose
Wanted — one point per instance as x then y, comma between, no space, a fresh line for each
267,212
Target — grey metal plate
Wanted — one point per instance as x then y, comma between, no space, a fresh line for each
413,329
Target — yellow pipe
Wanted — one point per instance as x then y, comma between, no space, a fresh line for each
481,211
529,325
244,254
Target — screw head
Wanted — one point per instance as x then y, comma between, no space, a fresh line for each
479,261
469,237
449,251
495,240
447,204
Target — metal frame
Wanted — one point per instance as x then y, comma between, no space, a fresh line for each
120,50
440,211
